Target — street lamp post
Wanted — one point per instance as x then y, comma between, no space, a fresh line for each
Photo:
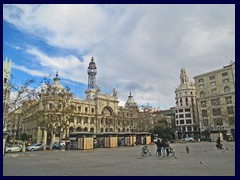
59,132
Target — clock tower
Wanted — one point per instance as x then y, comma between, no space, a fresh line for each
92,86
92,72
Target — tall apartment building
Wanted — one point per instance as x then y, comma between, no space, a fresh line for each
185,111
216,101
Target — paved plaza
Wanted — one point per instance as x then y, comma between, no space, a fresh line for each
203,160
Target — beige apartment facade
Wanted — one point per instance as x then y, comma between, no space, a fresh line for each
216,101
187,124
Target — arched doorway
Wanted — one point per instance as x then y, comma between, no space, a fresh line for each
107,119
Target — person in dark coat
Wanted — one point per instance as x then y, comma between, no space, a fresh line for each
159,147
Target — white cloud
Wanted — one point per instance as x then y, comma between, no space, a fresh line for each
138,48
28,71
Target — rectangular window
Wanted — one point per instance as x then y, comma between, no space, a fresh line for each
216,111
177,122
180,110
230,110
79,108
92,110
231,120
200,81
187,110
180,115
203,103
187,115
176,116
225,74
228,100
189,128
211,77
204,113
205,122
92,120
86,109
85,120
181,121
188,121
215,102
79,119
213,91
72,119
218,121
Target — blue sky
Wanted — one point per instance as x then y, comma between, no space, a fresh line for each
137,48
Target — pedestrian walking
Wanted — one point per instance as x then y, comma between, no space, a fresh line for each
167,149
164,145
159,147
187,149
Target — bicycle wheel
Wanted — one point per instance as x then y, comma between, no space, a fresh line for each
172,153
142,154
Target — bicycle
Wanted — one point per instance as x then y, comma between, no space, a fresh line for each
220,146
170,151
145,151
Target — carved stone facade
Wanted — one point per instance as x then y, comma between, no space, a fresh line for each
97,113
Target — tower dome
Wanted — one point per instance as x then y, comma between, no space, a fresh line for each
92,64
56,83
130,102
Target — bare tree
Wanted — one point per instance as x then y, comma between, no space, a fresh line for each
55,111
21,93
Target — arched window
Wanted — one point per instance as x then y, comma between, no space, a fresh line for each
85,129
111,129
202,94
106,130
92,130
79,129
101,129
71,129
226,89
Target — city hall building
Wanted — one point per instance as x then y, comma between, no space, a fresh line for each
57,114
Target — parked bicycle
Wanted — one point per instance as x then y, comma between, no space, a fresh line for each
145,151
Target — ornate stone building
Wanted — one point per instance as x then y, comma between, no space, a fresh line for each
216,101
57,113
185,111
